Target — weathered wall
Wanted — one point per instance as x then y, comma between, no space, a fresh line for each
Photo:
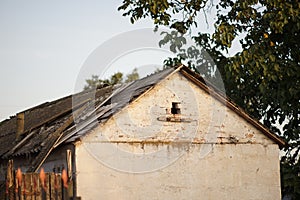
211,154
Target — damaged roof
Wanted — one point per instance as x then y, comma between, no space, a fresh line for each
50,124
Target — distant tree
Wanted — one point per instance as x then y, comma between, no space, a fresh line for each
116,78
134,75
94,82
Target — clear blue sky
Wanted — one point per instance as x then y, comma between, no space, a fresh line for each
43,45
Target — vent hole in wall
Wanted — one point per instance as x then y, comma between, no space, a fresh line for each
175,108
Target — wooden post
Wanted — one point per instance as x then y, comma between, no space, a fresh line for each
9,193
20,124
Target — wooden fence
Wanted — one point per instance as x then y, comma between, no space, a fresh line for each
37,186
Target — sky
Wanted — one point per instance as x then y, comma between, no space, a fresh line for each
43,45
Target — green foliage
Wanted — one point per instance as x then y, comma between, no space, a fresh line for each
94,82
264,78
290,178
134,75
117,78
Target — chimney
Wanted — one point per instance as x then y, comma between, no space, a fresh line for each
20,124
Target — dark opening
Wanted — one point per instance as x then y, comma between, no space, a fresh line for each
175,108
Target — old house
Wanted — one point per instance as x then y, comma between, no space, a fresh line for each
169,135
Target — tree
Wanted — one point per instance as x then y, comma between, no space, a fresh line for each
263,78
95,82
116,78
134,75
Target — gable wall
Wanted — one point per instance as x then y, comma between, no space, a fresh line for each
213,154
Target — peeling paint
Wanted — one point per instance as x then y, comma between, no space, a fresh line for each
224,159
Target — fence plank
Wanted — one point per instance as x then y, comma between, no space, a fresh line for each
47,188
54,188
17,189
31,188
26,190
59,187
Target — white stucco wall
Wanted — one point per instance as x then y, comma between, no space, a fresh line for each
213,154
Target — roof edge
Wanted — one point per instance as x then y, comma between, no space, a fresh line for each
213,91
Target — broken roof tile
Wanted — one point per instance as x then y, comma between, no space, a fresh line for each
51,124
